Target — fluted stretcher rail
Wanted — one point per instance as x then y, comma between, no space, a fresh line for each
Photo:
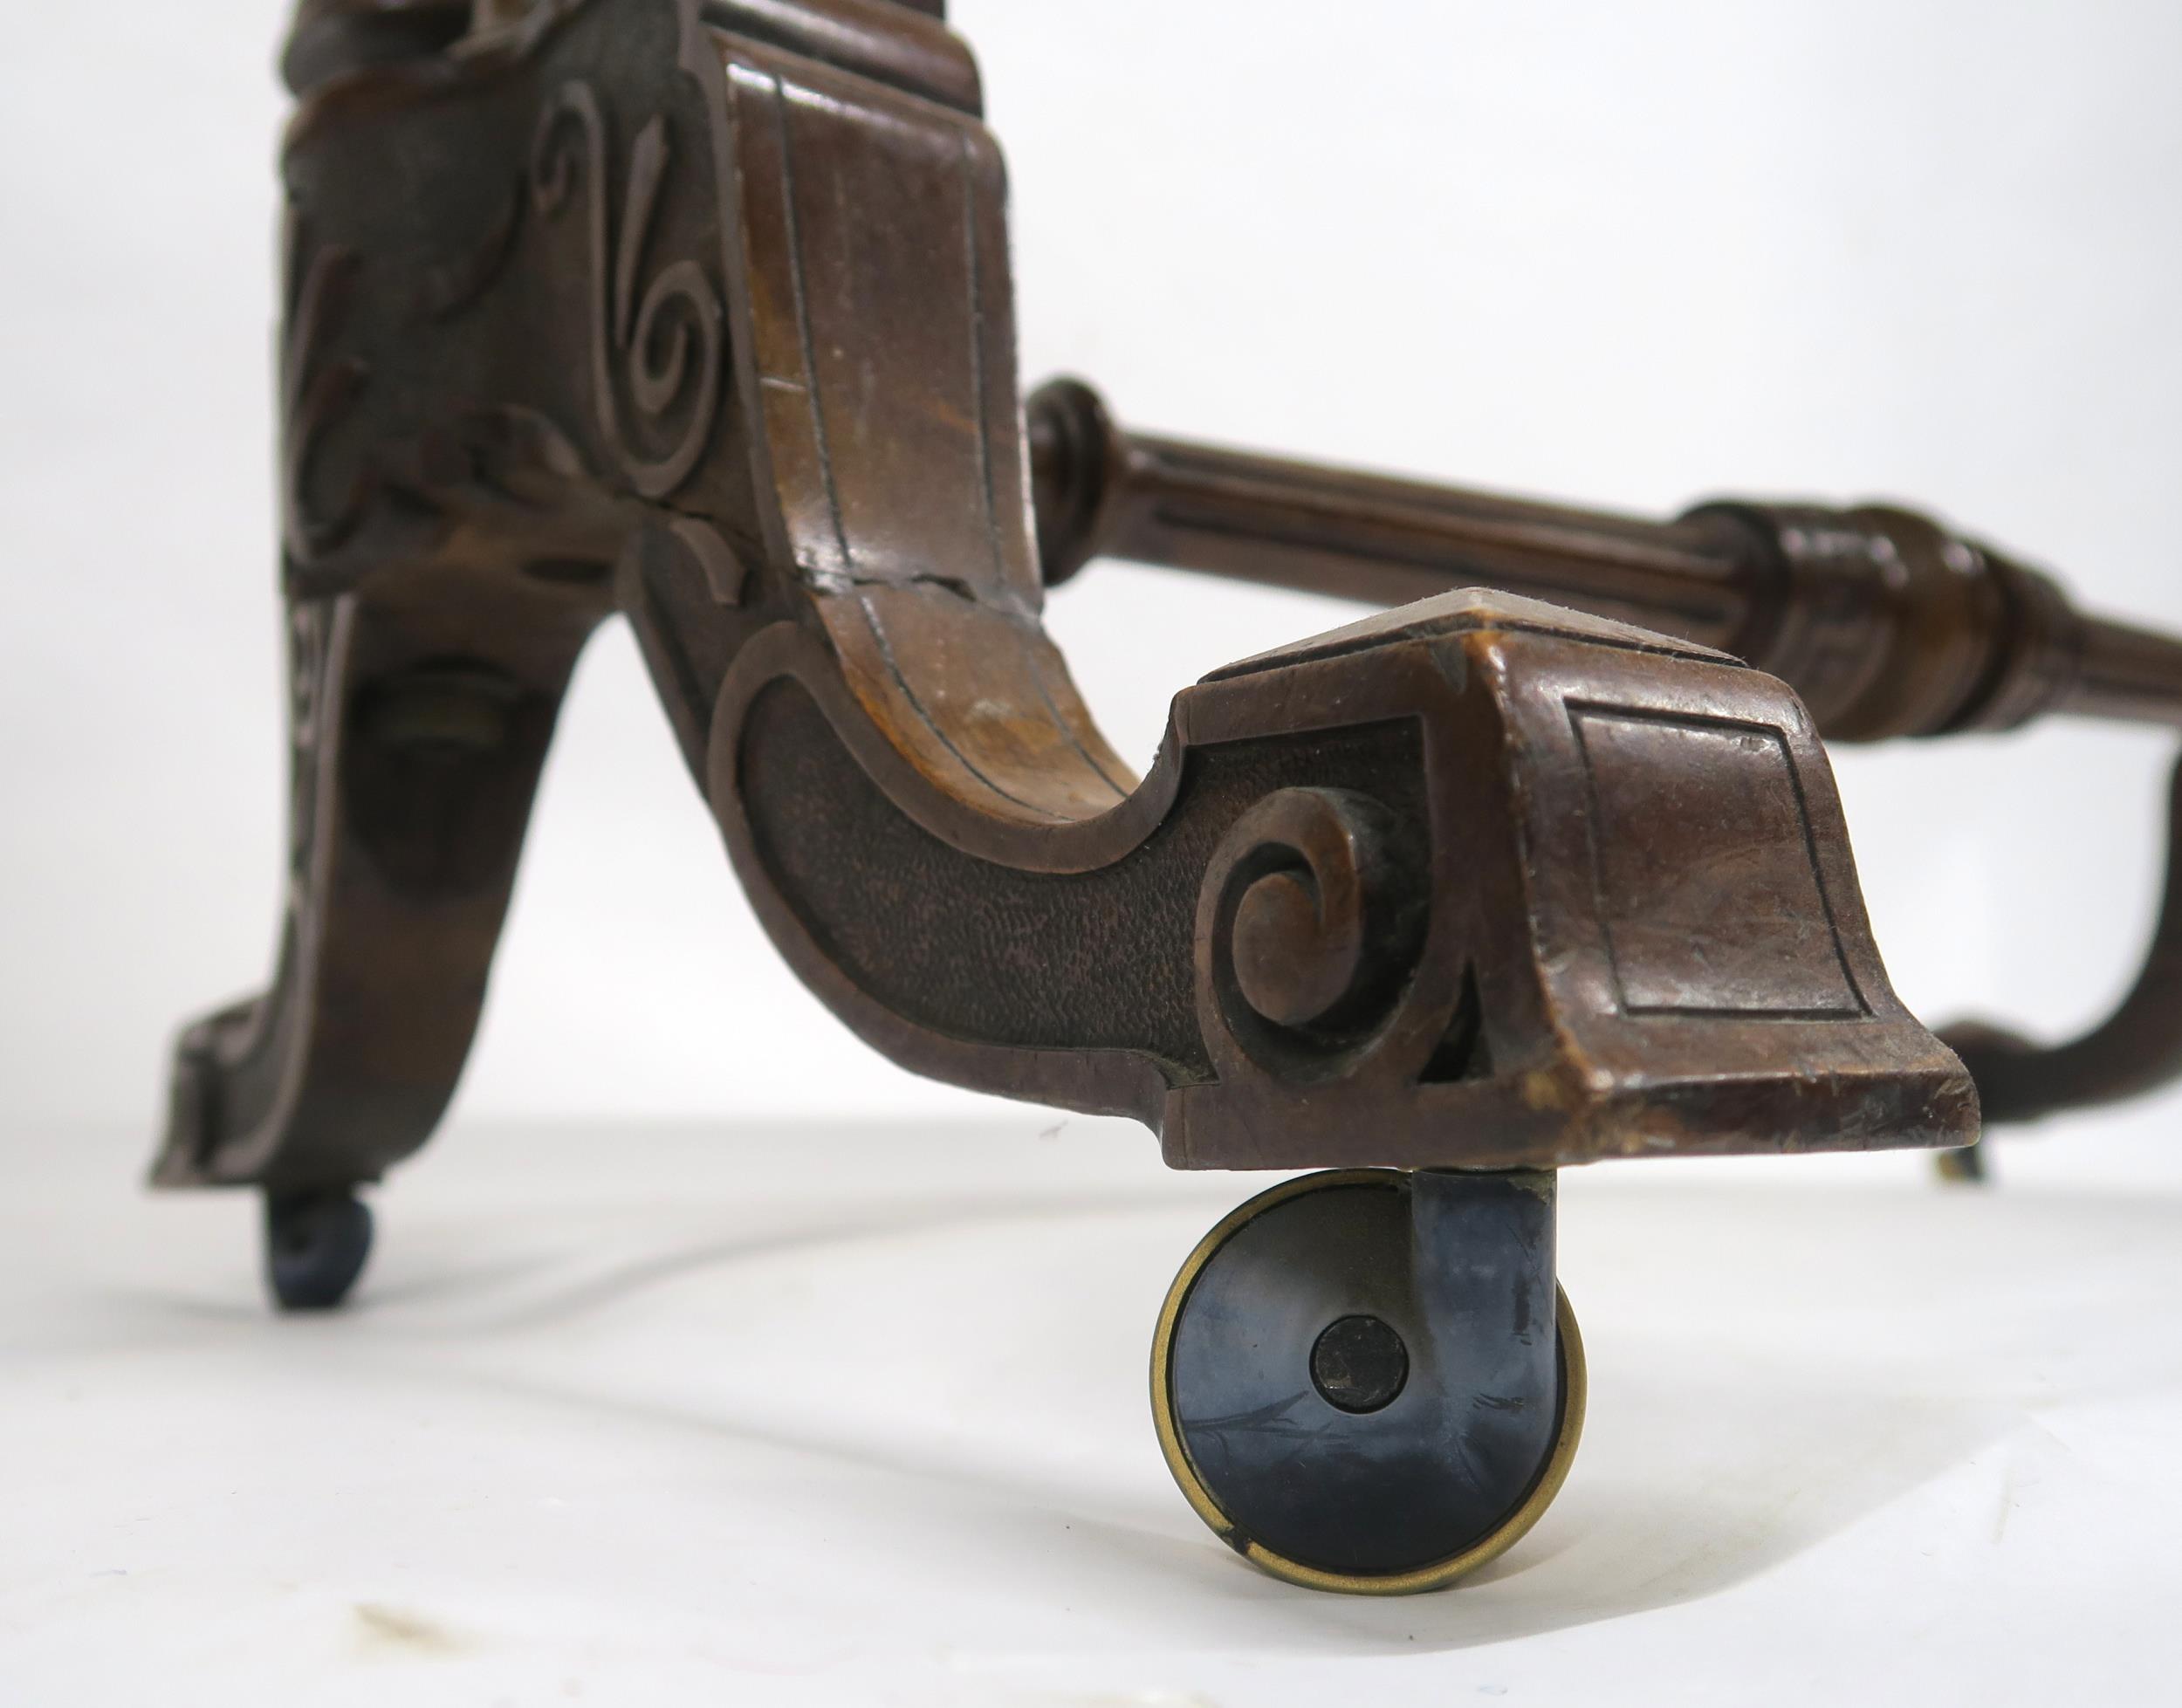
1885,621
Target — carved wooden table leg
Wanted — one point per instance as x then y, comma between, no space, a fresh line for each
702,311
419,723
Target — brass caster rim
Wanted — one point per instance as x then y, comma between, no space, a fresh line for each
1437,1574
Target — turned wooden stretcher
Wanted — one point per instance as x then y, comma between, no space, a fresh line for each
699,311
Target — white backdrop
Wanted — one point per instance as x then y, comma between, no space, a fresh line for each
645,1432
1633,255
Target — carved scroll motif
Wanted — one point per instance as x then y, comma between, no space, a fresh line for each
661,346
1311,923
315,392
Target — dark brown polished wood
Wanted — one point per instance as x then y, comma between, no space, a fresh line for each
1885,622
698,313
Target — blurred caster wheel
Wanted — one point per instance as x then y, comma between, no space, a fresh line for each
1963,1167
315,1247
1368,1380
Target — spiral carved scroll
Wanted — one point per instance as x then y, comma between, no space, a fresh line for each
1312,922
317,389
661,346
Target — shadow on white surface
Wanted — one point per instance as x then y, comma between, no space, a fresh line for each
648,1412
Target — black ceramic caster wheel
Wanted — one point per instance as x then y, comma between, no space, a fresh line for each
1963,1167
1369,1380
315,1247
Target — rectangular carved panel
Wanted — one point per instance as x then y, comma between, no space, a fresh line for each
1741,926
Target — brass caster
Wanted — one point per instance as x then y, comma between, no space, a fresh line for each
1369,1380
